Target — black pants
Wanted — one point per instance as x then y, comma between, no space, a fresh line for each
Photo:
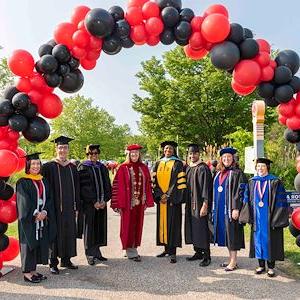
28,258
93,251
170,250
204,252
262,263
54,261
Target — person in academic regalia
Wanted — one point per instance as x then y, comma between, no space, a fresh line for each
227,203
64,181
36,219
95,192
131,195
265,208
169,194
198,205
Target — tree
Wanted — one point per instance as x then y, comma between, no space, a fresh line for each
6,76
189,100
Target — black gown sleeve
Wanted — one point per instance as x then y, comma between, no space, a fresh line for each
157,192
106,184
205,180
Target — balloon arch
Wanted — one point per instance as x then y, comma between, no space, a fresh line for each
78,44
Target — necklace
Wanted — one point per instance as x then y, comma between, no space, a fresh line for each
136,186
261,192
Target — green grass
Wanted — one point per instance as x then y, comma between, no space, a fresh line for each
12,230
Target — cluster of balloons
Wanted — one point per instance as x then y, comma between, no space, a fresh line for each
294,225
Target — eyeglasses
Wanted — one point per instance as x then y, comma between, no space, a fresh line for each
94,153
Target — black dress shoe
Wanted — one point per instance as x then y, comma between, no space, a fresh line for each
32,279
163,254
54,270
173,259
101,258
137,258
205,262
196,256
69,265
271,273
91,260
260,270
41,276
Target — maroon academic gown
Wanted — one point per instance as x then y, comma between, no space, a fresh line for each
132,216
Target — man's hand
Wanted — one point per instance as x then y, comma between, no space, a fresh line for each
102,205
163,199
203,210
235,214
97,205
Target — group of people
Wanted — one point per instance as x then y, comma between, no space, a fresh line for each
59,202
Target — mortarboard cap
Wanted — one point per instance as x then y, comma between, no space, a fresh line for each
62,140
263,160
229,150
33,156
92,147
170,143
193,148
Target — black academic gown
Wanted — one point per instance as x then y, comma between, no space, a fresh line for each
199,186
26,205
176,195
278,217
94,186
64,181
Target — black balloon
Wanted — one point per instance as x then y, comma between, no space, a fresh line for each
167,37
7,193
45,49
127,42
181,42
63,69
284,93
20,101
288,58
266,90
99,22
295,84
186,14
292,136
48,64
282,75
3,228
6,107
72,82
74,63
2,185
9,92
249,48
18,122
122,29
117,12
236,34
30,111
112,45
298,241
4,242
4,120
52,43
170,16
271,102
5,179
173,3
225,55
61,53
248,34
37,67
183,31
293,230
38,130
53,80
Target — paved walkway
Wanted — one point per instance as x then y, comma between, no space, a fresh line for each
153,278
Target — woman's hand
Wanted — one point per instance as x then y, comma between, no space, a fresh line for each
235,214
203,210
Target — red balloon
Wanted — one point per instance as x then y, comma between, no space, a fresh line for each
196,23
35,97
242,90
22,159
88,64
3,132
296,109
263,59
153,40
154,26
194,54
23,84
263,45
79,14
21,63
196,41
137,3
296,218
8,211
134,16
93,55
282,120
287,109
267,73
138,34
1,262
81,38
78,52
51,106
12,251
13,135
63,34
38,82
216,9
81,25
13,198
8,163
150,9
5,144
95,43
293,123
273,64
215,28
247,73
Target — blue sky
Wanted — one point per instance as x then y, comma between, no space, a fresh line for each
27,24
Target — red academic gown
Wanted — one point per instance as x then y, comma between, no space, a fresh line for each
132,216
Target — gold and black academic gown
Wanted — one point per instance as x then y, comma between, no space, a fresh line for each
169,178
199,189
